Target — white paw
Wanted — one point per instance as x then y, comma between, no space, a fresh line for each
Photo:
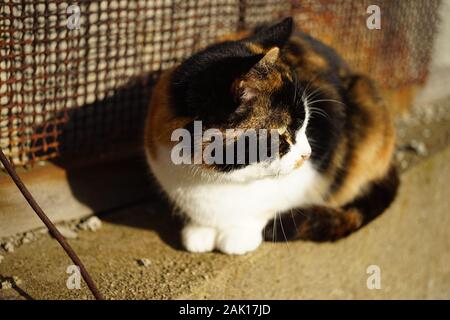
238,240
198,239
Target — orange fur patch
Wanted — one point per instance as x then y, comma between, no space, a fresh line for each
373,140
161,121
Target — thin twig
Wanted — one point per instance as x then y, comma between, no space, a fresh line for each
51,227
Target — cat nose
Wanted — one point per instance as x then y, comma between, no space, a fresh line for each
306,156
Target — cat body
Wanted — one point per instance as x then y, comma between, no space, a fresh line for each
332,173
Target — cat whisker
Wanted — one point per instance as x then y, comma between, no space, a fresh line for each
295,88
282,230
310,95
274,232
293,219
309,83
326,100
313,115
297,211
318,112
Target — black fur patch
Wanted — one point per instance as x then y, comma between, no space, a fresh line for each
274,36
378,198
325,129
201,86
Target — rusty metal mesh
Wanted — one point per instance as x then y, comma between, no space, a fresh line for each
84,92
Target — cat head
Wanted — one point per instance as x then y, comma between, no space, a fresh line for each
244,84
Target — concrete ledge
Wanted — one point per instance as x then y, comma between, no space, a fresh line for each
66,193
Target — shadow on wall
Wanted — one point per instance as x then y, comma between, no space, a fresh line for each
101,150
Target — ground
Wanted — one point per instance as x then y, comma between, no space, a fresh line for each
136,253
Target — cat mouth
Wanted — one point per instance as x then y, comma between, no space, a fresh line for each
301,161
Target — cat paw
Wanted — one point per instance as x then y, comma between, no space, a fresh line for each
238,240
197,238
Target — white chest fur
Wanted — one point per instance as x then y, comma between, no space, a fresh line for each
240,203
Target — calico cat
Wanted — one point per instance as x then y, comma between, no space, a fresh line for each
333,172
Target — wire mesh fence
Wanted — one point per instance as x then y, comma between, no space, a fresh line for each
82,90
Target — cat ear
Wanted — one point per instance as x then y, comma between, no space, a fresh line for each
274,36
271,56
244,87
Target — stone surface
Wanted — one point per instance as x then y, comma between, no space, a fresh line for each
144,262
67,232
410,243
5,285
8,247
91,224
